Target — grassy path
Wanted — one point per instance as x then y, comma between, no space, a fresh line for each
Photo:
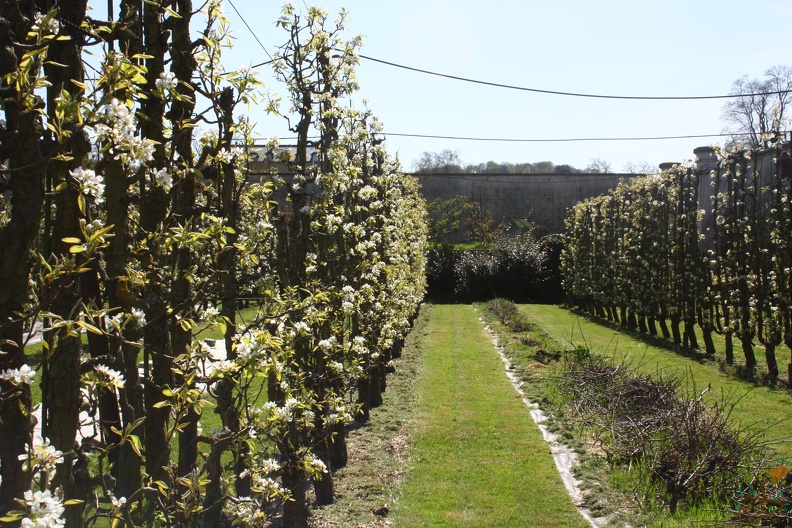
760,408
478,459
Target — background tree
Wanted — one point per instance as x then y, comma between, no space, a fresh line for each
761,108
447,161
640,167
599,165
445,217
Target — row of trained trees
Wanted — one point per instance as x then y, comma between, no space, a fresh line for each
128,221
692,248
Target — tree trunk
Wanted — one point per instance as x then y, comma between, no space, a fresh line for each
642,324
664,328
729,348
770,357
61,398
118,294
323,485
632,321
19,144
690,335
295,512
675,330
748,350
337,446
706,334
375,385
180,116
364,398
651,323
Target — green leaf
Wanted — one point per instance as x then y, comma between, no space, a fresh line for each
172,13
135,444
91,328
71,240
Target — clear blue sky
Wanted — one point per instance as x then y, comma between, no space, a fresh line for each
619,47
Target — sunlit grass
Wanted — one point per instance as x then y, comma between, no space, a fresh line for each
478,459
760,407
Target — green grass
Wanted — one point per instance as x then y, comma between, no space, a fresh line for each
378,449
478,459
760,407
613,492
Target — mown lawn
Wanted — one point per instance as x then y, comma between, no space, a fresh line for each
477,457
760,407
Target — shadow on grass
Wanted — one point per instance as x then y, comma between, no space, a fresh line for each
736,371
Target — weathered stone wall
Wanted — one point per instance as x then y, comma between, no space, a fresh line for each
541,198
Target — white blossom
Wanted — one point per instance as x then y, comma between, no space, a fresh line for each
89,182
110,376
43,510
23,374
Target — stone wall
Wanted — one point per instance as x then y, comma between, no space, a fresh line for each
541,198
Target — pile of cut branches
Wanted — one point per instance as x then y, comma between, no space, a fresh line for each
687,449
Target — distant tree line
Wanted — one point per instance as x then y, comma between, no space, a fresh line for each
449,162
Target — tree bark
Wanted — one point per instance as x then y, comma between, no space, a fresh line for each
675,330
651,323
19,143
748,350
770,357
729,348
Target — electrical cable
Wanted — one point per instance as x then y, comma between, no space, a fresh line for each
572,94
252,33
534,90
559,140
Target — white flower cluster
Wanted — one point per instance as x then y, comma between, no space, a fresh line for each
314,465
41,457
135,316
119,129
166,82
327,344
163,178
109,377
90,183
23,374
46,25
206,136
43,510
224,156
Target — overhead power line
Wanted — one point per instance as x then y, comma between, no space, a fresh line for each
572,94
558,140
252,33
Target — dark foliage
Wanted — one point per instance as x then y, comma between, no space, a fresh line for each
515,267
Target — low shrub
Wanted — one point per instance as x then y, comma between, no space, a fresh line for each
508,314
